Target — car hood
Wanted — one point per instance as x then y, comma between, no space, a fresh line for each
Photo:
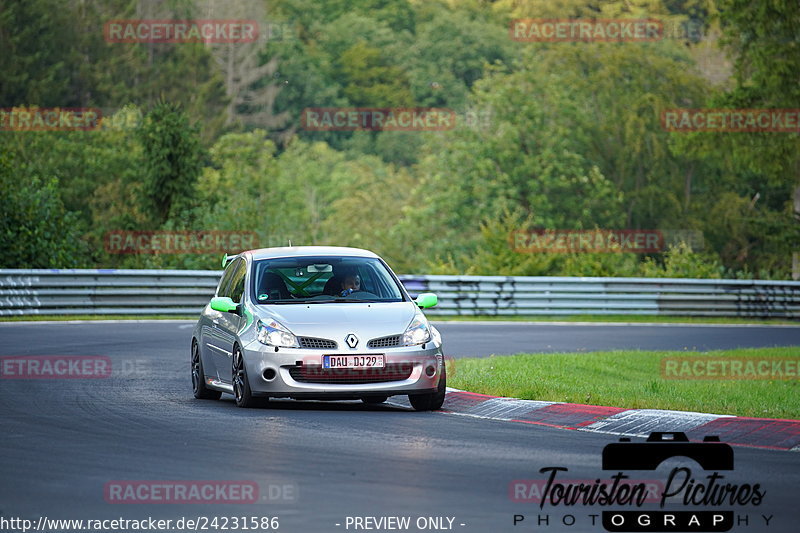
336,320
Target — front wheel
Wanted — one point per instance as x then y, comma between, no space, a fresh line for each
241,385
431,401
199,388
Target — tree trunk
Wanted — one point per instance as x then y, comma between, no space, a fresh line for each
687,189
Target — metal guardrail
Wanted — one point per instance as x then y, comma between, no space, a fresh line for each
185,292
106,292
542,295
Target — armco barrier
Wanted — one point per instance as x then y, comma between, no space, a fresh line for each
541,295
105,292
185,292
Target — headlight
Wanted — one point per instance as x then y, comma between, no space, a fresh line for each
417,332
437,337
273,333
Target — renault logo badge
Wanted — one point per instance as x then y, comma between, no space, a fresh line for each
351,340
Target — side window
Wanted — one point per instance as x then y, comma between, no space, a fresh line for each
237,282
223,289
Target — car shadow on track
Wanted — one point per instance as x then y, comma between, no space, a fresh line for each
278,404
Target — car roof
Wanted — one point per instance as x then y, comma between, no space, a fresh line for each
301,251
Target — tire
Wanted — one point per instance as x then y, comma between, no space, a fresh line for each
241,385
431,401
374,400
201,392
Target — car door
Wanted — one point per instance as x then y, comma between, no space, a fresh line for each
228,324
212,342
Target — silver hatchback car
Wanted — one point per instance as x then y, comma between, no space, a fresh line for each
310,322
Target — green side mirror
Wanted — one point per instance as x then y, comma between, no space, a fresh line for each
223,304
427,299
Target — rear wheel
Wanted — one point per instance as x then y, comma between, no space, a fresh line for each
241,385
199,378
431,401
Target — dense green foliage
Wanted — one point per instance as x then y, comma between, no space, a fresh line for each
562,135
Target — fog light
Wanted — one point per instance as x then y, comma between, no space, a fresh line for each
269,374
430,371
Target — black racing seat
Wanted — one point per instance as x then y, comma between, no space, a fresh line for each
273,286
333,286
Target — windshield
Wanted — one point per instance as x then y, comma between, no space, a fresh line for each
323,280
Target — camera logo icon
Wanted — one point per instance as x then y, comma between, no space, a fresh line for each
711,454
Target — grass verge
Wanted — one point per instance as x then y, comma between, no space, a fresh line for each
632,380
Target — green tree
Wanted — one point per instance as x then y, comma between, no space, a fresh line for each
754,218
371,80
682,262
615,96
95,173
36,231
172,161
37,67
765,39
400,14
574,143
450,52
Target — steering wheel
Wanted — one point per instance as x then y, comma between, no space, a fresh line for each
366,295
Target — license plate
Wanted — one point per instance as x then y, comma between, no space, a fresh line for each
352,361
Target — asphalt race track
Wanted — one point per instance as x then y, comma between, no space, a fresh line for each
68,443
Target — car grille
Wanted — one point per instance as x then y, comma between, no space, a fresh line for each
352,376
316,344
385,342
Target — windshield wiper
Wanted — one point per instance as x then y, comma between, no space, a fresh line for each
280,302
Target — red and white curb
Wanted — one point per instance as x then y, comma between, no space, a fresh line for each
776,434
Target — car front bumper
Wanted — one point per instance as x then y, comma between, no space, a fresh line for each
297,373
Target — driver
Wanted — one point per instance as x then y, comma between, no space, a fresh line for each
350,284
